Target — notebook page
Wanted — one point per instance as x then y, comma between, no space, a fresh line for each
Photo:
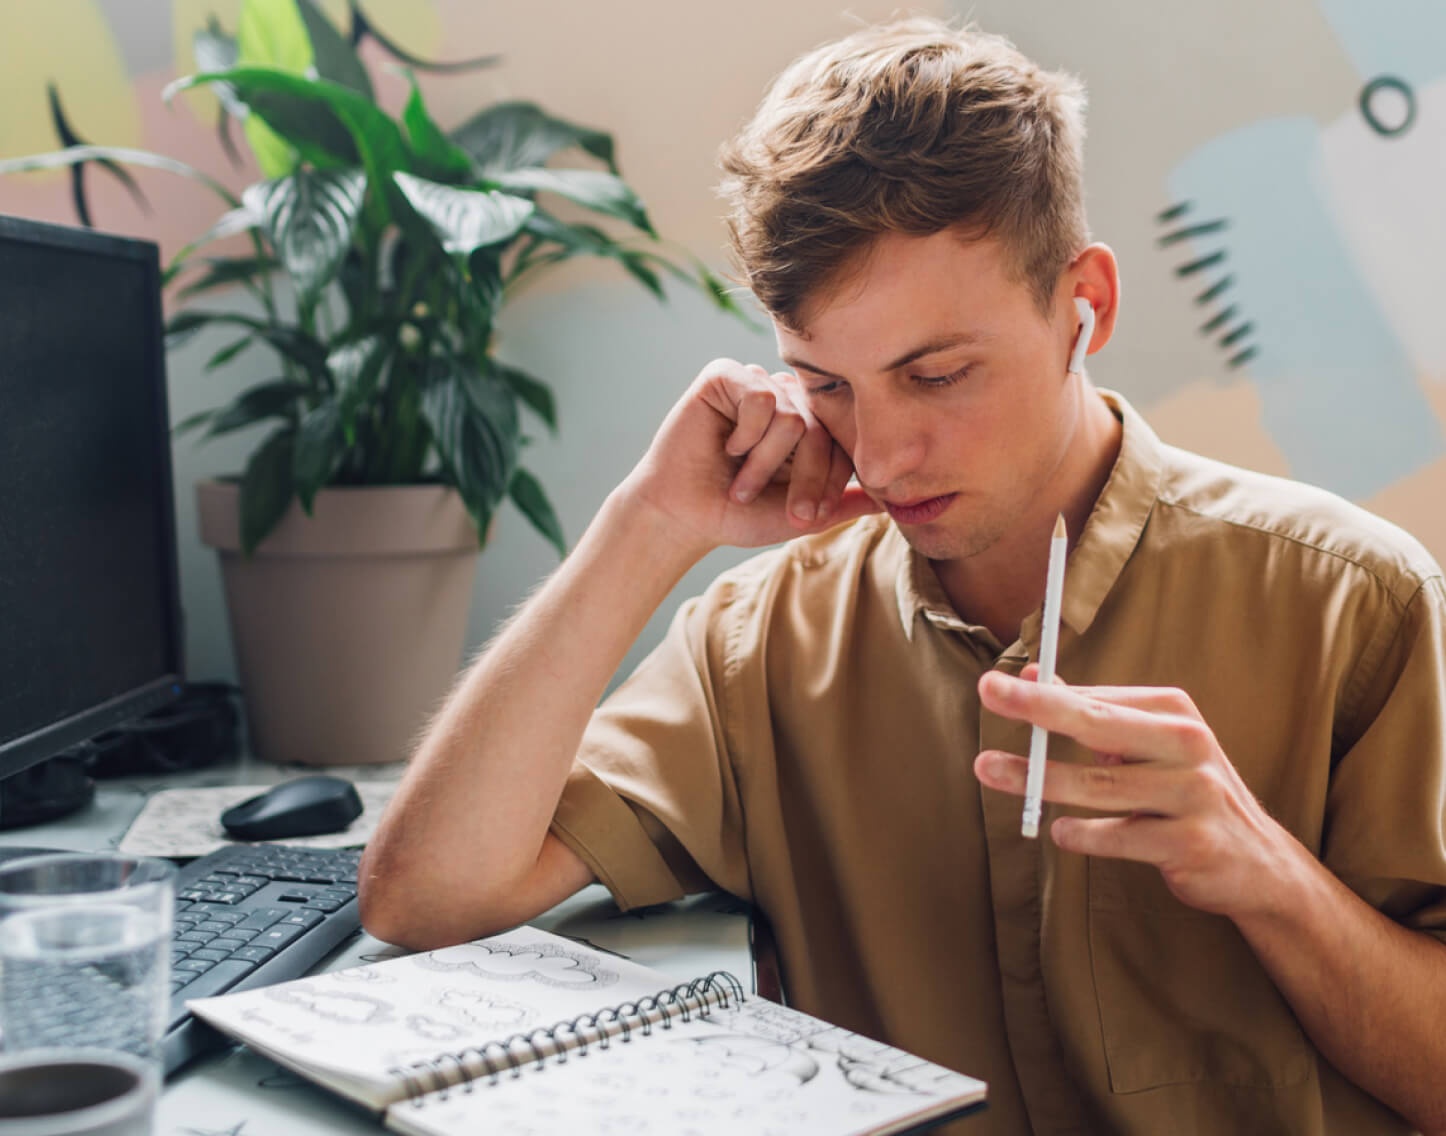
351,1029
761,1069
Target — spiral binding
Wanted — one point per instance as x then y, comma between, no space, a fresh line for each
510,1056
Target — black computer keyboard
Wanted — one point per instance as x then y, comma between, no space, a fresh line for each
252,915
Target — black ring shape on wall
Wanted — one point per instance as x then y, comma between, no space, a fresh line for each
1388,83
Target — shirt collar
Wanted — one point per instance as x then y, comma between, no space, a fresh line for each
1109,538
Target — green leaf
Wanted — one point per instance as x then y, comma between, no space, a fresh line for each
601,192
318,451
191,320
186,425
355,370
333,57
640,270
514,135
224,271
528,496
291,342
229,352
281,398
484,299
440,157
329,124
465,219
309,219
266,488
473,421
534,393
79,155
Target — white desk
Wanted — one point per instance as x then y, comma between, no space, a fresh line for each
237,1093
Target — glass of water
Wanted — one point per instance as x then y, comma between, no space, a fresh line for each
85,952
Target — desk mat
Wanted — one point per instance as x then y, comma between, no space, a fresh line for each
187,822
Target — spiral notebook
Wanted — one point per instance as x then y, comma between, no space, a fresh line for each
528,1032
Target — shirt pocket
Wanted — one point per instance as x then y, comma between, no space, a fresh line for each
1182,997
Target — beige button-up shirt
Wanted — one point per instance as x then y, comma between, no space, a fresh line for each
804,739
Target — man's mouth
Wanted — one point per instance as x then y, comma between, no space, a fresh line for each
919,511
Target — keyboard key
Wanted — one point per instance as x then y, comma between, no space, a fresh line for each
192,966
200,937
278,936
210,954
219,978
262,917
254,954
303,918
229,943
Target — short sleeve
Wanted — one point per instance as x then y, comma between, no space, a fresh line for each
1385,832
651,804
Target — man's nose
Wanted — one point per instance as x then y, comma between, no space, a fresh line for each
888,445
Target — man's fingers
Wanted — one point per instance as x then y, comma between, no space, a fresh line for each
1098,724
1146,839
808,476
1159,699
776,440
1104,788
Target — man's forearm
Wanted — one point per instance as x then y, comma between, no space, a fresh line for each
1370,993
469,818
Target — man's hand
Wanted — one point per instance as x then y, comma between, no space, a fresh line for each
1177,801
741,461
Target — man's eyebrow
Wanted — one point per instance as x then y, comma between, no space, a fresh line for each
943,343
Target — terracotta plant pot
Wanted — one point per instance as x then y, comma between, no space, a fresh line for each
348,625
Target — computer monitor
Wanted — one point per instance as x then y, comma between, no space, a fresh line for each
90,624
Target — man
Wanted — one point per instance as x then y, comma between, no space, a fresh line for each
1232,921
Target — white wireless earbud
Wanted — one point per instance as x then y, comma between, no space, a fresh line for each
1086,333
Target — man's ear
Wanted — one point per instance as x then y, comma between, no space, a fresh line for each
1094,276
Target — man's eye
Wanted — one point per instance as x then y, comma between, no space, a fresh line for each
826,388
935,381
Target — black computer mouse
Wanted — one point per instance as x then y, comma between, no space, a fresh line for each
306,806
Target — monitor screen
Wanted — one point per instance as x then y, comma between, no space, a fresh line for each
90,630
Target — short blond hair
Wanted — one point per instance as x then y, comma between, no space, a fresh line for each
909,127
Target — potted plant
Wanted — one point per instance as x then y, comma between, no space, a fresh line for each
380,252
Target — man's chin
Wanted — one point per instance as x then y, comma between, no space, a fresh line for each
935,544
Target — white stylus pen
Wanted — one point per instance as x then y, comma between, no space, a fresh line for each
1048,646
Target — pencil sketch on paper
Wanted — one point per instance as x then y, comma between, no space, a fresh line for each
757,1056
434,1029
546,963
486,1010
360,976
761,1042
334,1006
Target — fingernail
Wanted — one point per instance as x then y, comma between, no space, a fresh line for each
989,765
996,685
743,496
823,510
804,511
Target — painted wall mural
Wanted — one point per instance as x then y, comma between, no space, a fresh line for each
1313,254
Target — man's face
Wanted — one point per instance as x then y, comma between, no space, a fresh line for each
936,372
